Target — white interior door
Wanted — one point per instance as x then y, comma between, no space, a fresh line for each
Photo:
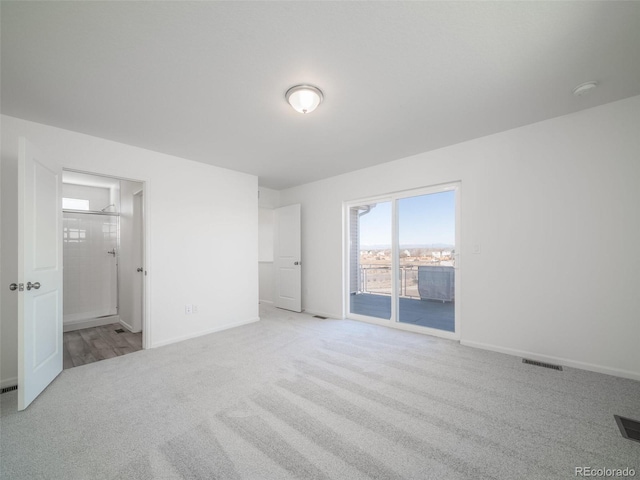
40,271
138,261
287,258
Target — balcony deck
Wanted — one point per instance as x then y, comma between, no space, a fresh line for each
426,313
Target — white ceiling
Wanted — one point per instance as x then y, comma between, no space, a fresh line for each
206,80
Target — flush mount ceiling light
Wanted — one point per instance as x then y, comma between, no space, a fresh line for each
304,98
584,88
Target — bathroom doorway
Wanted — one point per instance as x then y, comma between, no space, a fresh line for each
103,276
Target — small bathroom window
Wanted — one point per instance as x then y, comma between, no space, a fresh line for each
75,204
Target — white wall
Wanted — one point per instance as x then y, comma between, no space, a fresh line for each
554,207
269,200
114,199
202,225
265,234
265,254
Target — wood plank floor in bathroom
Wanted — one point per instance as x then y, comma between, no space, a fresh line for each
98,343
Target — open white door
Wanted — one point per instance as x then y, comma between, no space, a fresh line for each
288,278
137,243
39,273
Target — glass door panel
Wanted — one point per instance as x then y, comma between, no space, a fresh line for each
426,256
90,277
370,285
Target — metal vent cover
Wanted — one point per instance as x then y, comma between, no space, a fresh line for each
119,330
628,428
542,364
320,317
9,389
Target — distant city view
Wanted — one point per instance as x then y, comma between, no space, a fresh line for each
375,267
442,255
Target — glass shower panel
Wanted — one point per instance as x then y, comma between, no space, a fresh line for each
90,245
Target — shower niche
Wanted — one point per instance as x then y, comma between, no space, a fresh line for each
102,251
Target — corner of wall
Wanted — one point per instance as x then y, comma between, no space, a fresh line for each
268,198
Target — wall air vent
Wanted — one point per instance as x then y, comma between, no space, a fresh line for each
628,428
320,317
9,389
542,364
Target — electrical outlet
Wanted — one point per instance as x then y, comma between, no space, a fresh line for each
188,309
195,309
476,248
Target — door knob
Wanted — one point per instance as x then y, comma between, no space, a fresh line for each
297,263
35,286
139,269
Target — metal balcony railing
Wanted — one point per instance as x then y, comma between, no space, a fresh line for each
431,282
377,279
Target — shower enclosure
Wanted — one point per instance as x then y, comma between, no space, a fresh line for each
91,244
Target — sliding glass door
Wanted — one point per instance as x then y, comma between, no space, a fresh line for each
402,259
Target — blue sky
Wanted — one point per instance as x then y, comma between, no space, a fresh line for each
425,219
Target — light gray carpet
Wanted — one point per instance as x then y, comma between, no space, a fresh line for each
294,397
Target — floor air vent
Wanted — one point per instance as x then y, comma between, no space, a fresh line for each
628,428
542,364
320,317
9,389
119,330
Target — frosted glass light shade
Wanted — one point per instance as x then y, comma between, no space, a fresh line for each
304,98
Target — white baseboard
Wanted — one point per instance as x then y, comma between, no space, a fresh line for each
91,322
616,372
8,382
205,332
268,302
128,327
